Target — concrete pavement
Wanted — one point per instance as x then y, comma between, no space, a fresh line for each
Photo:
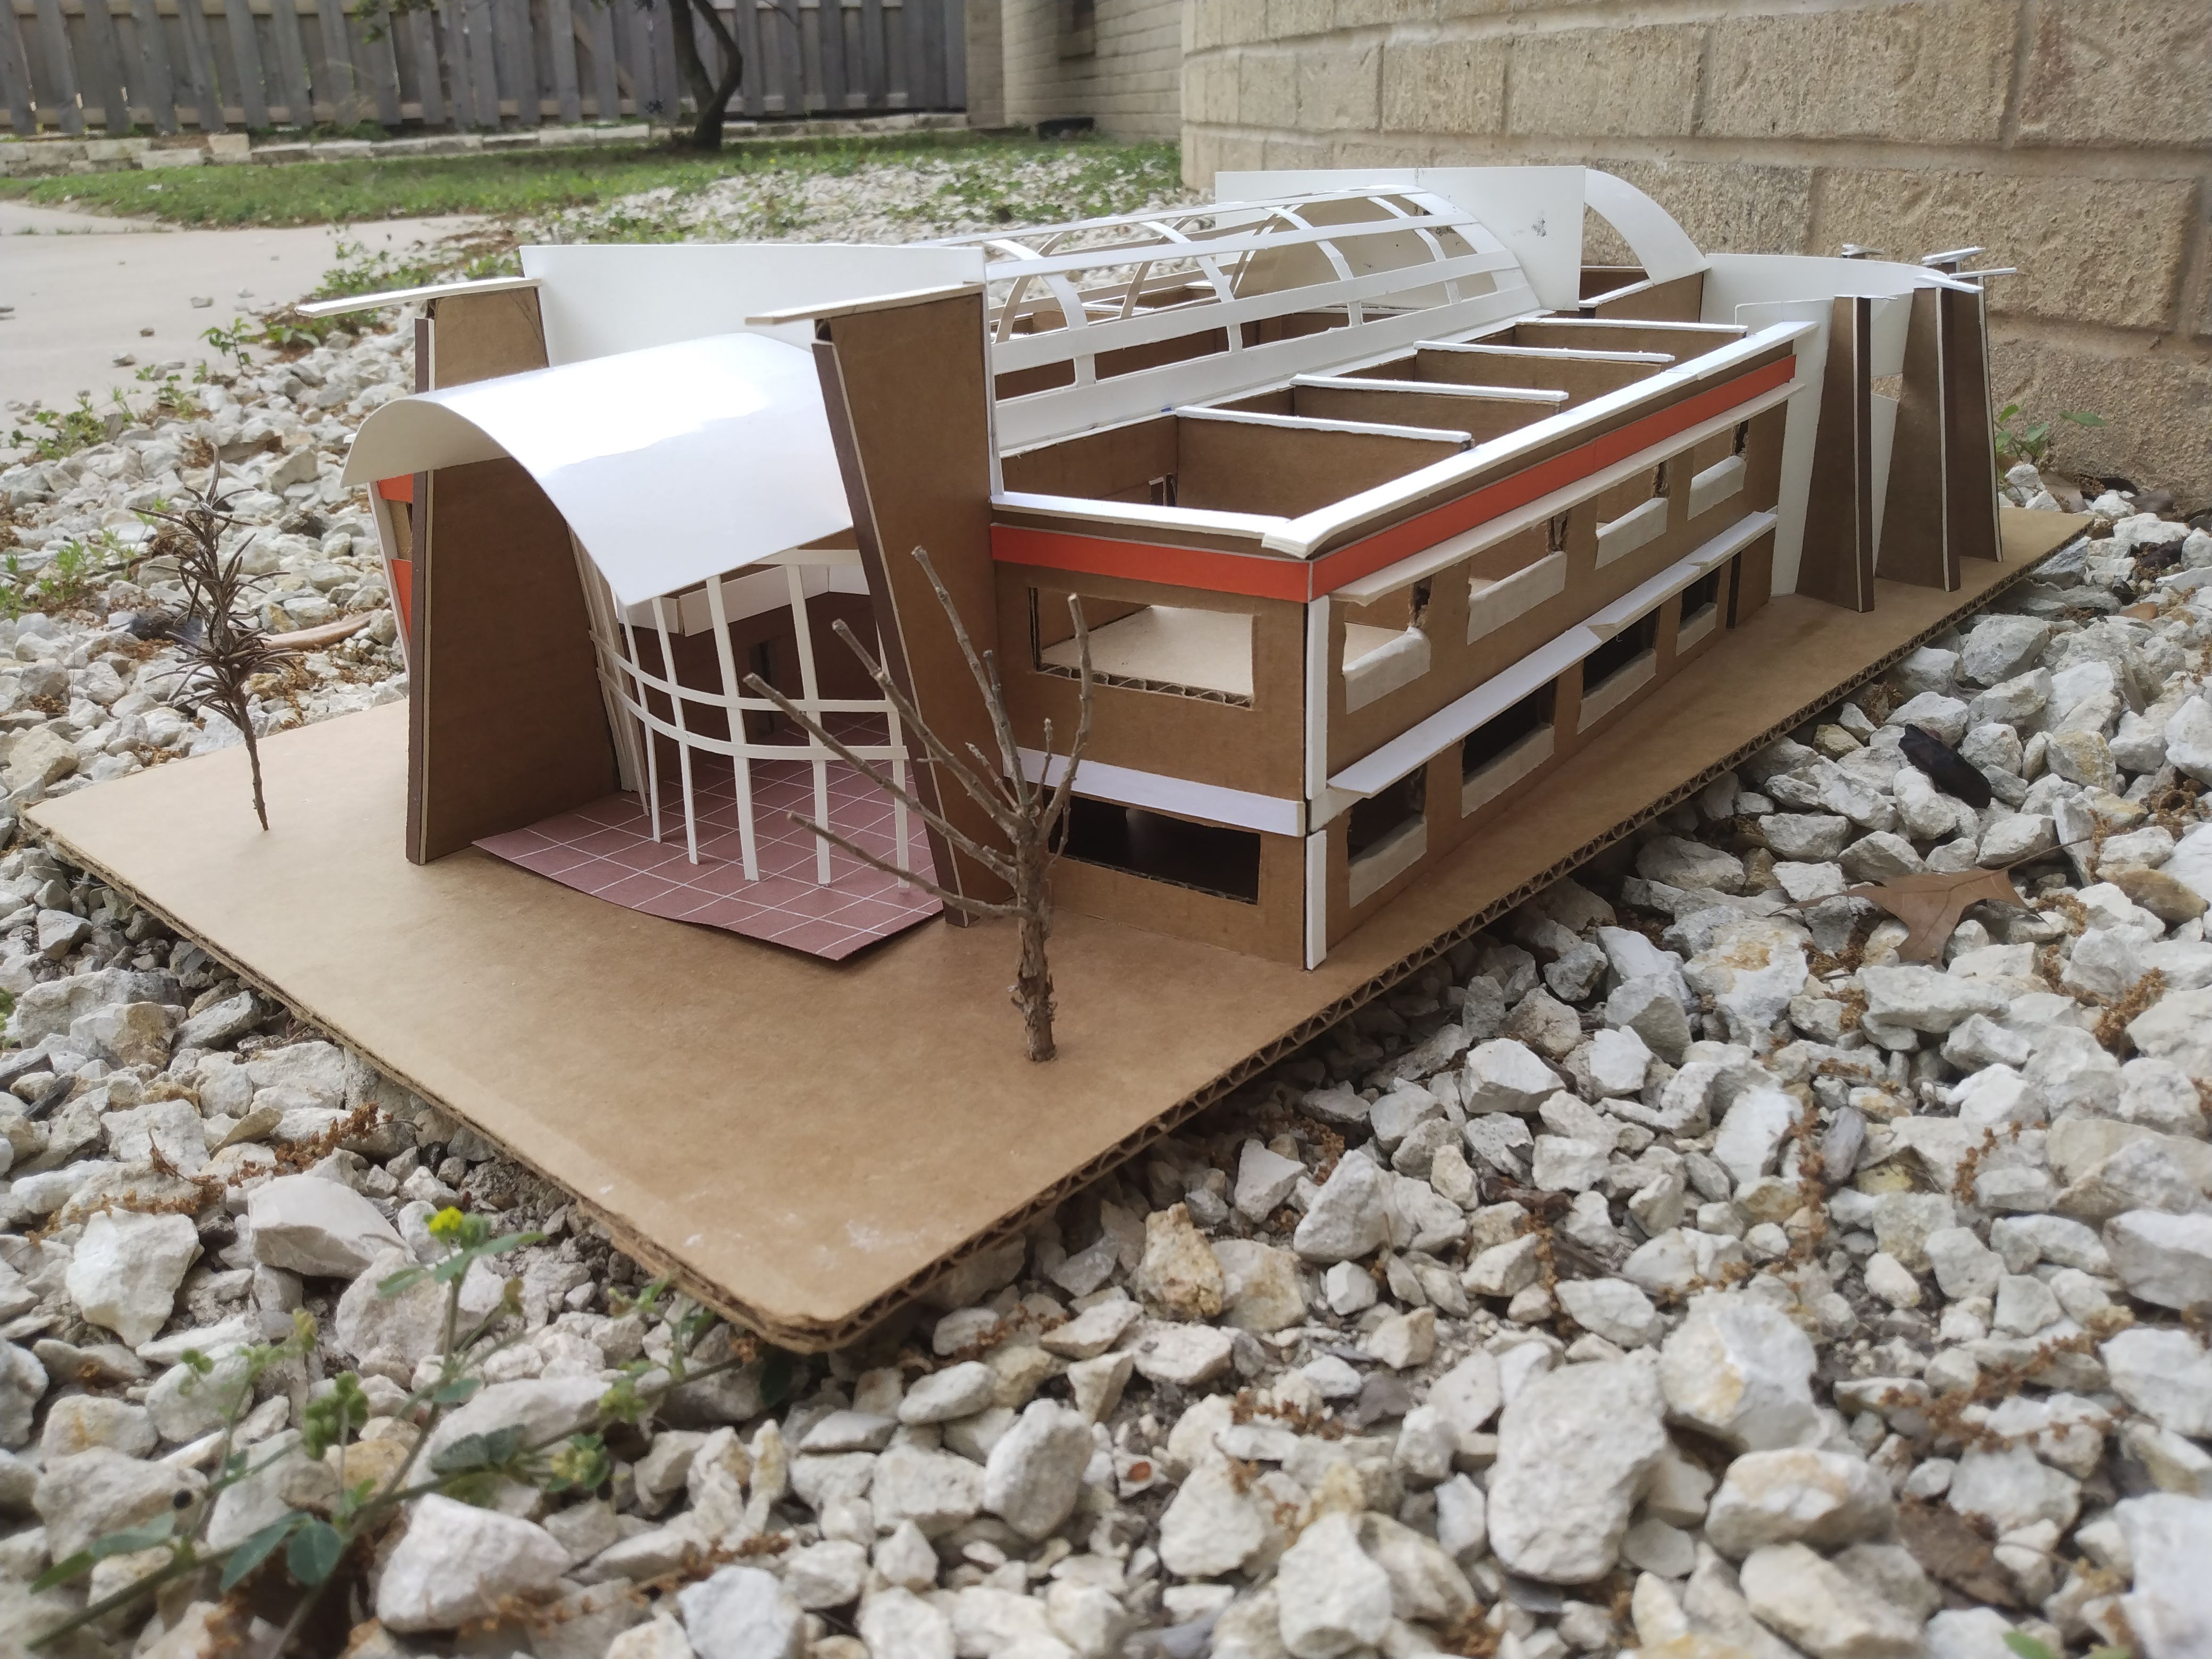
85,288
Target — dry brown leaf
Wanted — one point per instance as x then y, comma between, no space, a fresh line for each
1952,1550
1929,904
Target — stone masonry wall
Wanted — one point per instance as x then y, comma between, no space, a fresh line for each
2073,138
1126,73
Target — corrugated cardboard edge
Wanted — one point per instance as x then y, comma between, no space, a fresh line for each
811,1337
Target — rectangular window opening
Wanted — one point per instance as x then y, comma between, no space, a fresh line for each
1374,820
1501,731
1386,835
1703,596
1179,651
1205,858
1620,652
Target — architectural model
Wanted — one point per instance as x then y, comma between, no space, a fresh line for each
1380,503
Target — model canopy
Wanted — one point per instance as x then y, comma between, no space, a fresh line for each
672,464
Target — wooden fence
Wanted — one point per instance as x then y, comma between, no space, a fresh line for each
75,66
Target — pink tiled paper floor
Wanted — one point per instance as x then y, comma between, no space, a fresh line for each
606,849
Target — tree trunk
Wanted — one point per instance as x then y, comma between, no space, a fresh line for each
1033,982
710,99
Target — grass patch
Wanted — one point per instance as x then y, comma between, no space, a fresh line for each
986,176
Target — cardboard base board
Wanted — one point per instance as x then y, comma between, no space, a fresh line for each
805,1144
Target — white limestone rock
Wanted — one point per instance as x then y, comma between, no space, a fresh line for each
457,1562
1738,1369
126,1269
316,1227
1823,1609
1796,1495
1573,1448
1331,1598
742,1613
1035,1473
2163,1259
2169,1540
1210,1527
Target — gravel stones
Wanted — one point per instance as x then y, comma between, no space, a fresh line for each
315,1228
742,1613
1796,1495
1036,1470
1573,1448
1210,1527
1332,1599
1349,1216
457,1562
2163,1259
1739,1370
1821,1609
126,1269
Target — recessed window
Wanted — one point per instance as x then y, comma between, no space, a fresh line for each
1618,653
1387,834
1702,598
1207,858
1178,650
1502,732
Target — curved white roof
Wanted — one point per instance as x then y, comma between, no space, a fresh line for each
672,464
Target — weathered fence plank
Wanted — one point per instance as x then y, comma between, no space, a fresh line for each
15,75
199,64
469,64
246,54
61,66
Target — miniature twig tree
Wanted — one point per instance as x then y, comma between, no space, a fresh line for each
1028,815
224,648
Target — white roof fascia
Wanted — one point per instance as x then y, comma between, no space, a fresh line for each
600,299
671,465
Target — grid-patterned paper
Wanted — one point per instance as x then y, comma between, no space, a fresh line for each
606,849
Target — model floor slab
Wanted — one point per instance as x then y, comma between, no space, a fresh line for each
805,1144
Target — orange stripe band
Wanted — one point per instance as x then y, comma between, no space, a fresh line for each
401,488
1271,578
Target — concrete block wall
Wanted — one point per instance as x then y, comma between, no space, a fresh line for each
1126,75
2073,138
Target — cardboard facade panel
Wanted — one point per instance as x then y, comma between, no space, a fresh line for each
905,391
509,723
1255,747
479,336
1837,564
827,1177
1916,538
1582,375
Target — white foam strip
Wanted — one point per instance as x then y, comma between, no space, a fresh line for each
1563,354
1383,671
1491,608
1497,394
1710,488
1157,792
1317,898
1320,424
1641,526
1539,667
1141,514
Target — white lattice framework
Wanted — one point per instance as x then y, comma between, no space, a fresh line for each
1397,266
629,687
